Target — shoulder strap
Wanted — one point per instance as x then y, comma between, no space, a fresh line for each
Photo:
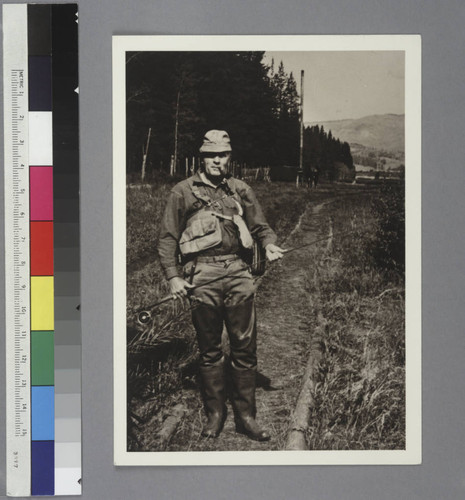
206,200
232,192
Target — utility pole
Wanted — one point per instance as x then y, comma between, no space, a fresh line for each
175,160
301,158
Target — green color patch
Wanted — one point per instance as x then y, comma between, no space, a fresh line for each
42,357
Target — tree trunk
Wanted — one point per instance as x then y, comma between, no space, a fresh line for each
176,126
144,156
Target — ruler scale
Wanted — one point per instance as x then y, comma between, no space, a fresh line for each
41,148
17,312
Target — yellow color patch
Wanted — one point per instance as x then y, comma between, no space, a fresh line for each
42,317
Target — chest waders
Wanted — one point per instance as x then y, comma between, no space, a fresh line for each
228,302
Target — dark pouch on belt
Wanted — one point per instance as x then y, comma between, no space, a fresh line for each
256,259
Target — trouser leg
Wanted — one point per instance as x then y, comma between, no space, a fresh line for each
208,322
241,325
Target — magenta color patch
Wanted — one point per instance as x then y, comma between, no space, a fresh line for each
41,183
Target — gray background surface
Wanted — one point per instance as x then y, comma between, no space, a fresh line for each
441,24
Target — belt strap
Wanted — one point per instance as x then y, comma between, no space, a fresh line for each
217,258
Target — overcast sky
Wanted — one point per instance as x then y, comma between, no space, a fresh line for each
351,84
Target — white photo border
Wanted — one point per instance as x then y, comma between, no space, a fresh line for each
411,45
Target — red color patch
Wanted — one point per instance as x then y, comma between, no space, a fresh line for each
42,248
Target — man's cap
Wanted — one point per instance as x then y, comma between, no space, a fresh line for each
216,141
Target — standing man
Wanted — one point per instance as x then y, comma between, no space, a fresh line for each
210,219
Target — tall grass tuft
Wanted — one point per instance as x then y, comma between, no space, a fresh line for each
389,210
357,293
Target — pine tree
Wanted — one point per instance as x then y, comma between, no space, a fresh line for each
180,95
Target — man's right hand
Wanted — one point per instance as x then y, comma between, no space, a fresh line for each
179,287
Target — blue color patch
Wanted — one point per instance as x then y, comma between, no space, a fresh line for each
42,468
43,413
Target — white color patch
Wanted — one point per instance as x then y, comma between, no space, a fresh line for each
40,138
67,481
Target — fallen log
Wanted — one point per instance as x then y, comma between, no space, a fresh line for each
301,415
170,425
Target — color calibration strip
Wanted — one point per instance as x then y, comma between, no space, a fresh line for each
43,342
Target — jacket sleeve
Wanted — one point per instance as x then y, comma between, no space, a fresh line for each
255,219
172,226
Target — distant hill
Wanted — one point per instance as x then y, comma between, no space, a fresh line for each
382,132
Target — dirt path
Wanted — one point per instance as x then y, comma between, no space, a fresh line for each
283,337
283,310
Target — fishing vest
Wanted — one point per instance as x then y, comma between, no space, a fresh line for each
203,228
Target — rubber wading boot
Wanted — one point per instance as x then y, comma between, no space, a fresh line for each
214,398
243,393
208,323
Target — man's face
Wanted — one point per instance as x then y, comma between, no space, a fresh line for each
216,164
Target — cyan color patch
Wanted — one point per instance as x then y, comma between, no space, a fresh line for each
43,413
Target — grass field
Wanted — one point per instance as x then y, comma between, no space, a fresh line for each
357,295
354,293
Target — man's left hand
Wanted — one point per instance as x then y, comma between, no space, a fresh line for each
273,252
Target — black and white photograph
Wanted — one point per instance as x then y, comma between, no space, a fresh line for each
267,294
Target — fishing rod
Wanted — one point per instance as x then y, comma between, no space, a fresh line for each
145,315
